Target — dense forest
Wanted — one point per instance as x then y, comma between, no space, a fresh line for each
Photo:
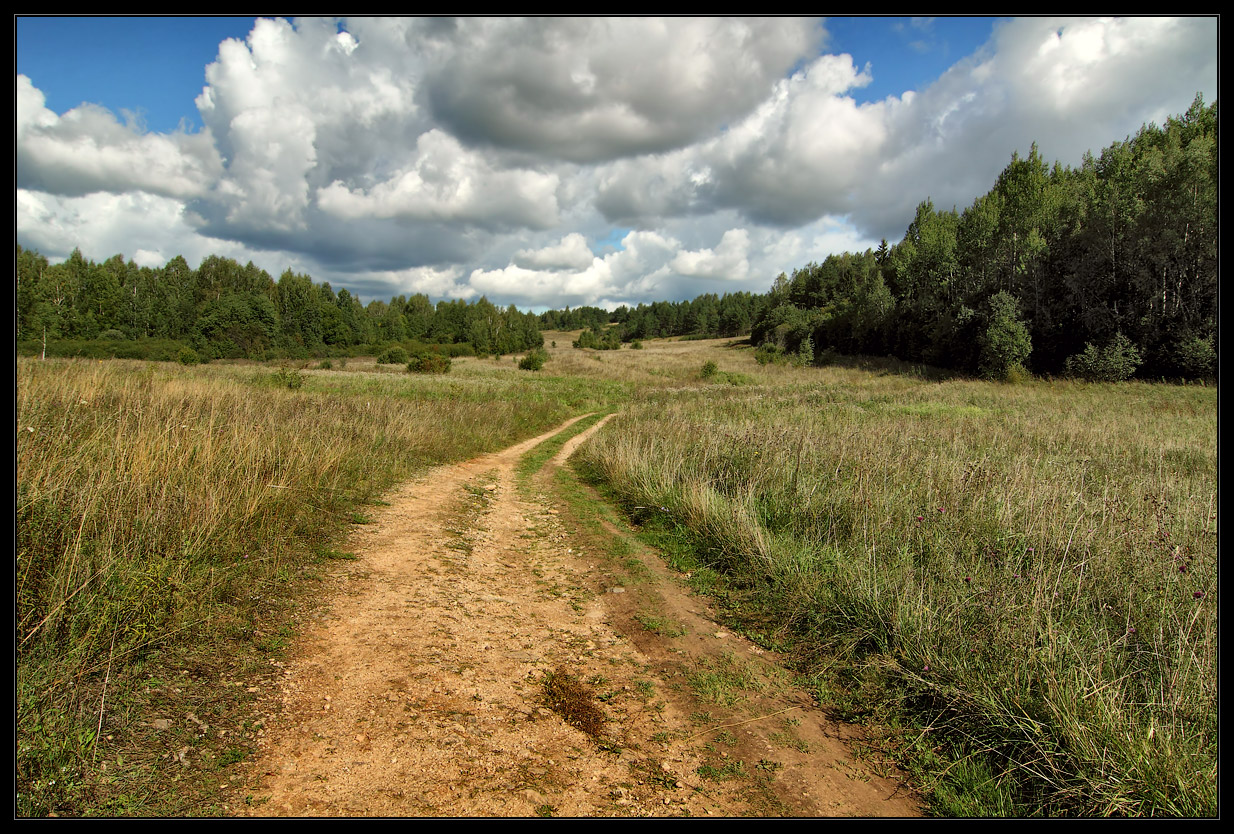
1103,271
1106,271
225,310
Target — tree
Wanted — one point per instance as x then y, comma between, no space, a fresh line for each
1006,344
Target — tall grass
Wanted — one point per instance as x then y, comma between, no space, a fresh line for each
1030,570
154,501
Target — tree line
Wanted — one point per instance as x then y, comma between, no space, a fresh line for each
225,310
709,316
1103,270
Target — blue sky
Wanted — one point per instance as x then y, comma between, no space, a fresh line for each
556,161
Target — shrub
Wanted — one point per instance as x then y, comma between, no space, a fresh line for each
534,360
768,355
289,378
113,335
395,355
1006,343
429,363
636,345
1113,363
325,365
188,356
709,369
1195,358
805,353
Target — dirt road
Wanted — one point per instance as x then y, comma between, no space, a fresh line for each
477,661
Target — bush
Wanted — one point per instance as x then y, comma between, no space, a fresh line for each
188,356
1195,358
709,369
396,355
1006,343
429,363
805,353
289,378
113,335
768,355
325,365
534,360
1113,363
636,345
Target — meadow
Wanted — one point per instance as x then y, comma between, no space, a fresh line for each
1015,583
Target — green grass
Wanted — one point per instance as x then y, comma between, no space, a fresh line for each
1014,586
1028,572
173,518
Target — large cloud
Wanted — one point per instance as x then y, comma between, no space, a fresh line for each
481,155
86,150
594,89
810,150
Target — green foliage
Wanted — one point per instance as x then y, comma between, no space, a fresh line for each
288,378
1194,358
592,339
634,345
769,355
534,360
395,355
1006,344
709,369
429,363
805,353
188,356
1115,362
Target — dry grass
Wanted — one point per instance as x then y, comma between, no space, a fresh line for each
1036,562
162,507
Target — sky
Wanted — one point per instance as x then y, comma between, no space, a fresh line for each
553,162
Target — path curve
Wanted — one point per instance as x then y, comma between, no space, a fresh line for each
418,692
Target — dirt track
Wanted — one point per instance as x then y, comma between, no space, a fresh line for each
420,691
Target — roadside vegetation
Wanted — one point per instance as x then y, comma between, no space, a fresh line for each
171,518
1012,585
1016,583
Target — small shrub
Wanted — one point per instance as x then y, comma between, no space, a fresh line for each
396,355
1006,343
188,356
1113,363
289,378
709,369
805,354
429,363
534,360
1195,358
113,335
636,345
768,355
325,365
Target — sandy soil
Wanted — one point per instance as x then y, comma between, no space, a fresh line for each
421,689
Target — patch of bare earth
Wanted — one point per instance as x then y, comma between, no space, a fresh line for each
475,663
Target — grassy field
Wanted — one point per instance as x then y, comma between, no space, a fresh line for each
1022,578
1015,583
165,516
